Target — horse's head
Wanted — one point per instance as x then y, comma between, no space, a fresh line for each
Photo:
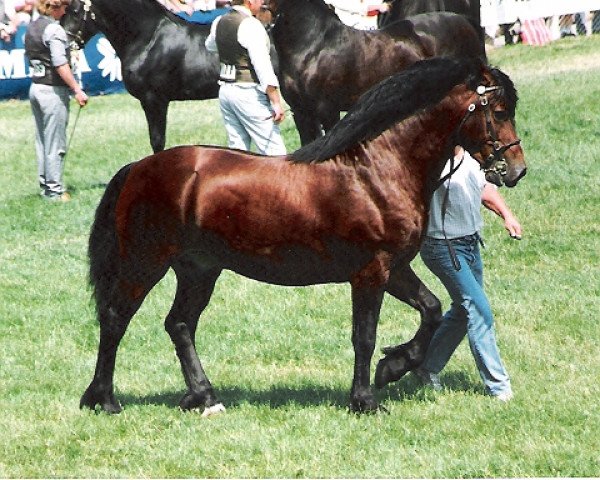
488,129
79,21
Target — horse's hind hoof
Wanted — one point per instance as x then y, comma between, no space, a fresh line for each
390,369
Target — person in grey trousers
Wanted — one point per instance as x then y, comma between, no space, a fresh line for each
47,48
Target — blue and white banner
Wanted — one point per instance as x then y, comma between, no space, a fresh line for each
99,66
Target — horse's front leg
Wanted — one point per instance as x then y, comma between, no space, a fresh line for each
400,359
307,124
156,116
366,305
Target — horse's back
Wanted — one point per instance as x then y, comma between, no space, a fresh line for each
452,34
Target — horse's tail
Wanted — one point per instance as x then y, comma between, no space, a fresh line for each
103,249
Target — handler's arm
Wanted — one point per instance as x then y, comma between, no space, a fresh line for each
492,200
67,75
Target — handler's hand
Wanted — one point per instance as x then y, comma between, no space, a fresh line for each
81,97
513,227
278,113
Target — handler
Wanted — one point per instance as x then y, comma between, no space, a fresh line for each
470,313
47,47
249,94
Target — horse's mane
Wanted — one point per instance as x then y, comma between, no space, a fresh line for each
398,97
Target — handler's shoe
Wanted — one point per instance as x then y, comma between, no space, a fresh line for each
504,396
61,198
428,379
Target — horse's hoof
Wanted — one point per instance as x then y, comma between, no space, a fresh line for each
364,405
191,401
216,409
107,402
390,369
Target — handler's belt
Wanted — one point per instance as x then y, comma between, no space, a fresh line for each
235,73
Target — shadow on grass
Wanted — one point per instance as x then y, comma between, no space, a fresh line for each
281,396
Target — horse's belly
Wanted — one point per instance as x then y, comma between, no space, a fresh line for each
291,265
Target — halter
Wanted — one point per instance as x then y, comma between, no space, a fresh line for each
495,163
77,37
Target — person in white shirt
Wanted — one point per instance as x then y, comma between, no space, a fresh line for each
249,94
359,14
450,250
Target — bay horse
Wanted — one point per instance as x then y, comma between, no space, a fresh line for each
349,207
163,57
324,65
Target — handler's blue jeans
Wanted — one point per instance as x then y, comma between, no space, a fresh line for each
469,313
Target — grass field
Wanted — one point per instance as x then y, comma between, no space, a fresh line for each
281,358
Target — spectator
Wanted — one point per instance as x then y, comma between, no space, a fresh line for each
14,13
249,94
358,14
5,23
204,11
455,214
47,48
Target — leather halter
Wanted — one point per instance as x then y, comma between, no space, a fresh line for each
77,37
495,163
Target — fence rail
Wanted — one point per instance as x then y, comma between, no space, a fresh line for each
498,12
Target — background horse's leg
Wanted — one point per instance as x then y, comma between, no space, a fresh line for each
308,126
366,305
195,286
406,286
156,116
329,120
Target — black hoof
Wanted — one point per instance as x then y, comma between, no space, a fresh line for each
107,401
390,369
365,405
191,401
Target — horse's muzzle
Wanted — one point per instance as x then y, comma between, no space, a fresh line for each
513,177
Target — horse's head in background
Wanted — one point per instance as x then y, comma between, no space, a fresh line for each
491,111
79,22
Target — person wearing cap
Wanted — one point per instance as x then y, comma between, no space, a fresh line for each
249,94
47,48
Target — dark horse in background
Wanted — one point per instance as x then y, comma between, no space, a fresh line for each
163,57
401,9
324,65
350,207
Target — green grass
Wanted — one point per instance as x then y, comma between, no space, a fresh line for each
281,358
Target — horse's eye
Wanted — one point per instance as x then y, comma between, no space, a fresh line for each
501,115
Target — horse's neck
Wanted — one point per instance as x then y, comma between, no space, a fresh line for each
421,144
127,22
301,22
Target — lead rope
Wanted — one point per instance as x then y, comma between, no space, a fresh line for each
448,177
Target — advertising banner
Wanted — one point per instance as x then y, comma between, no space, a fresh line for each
97,67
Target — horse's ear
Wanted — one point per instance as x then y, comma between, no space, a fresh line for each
484,71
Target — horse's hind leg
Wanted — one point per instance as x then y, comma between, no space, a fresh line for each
407,287
114,314
195,285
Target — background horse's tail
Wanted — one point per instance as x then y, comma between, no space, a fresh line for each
103,249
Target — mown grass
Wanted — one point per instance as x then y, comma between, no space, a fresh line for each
281,358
